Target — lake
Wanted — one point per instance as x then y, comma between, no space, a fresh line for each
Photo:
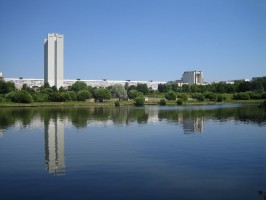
152,152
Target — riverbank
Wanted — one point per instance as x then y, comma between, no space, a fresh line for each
122,103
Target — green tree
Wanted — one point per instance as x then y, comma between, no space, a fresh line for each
79,86
186,88
182,96
118,91
73,95
163,88
65,96
132,94
102,94
211,96
143,88
83,95
6,87
139,100
198,96
170,95
22,97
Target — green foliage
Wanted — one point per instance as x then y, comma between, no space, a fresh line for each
139,100
118,91
102,94
55,97
79,86
241,96
6,87
47,90
83,95
133,94
73,95
198,96
131,87
9,96
163,88
162,102
254,95
117,103
170,95
40,97
179,102
186,88
220,98
21,97
143,88
211,96
182,96
65,96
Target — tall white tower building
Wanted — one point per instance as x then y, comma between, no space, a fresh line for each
54,59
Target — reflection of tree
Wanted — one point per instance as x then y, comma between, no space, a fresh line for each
81,116
138,115
9,116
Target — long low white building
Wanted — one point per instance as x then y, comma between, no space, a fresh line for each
37,83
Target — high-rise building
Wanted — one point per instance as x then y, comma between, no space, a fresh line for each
54,59
193,77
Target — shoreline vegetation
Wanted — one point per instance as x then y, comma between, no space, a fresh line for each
122,103
80,94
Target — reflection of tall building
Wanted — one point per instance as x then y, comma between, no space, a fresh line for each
54,146
193,125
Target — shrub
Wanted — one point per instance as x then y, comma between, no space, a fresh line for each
65,96
9,96
117,103
101,94
73,95
179,102
198,96
84,94
254,95
182,96
55,97
40,97
220,98
170,95
162,102
132,94
211,96
139,100
241,96
22,97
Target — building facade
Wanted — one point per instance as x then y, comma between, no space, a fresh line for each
54,59
193,77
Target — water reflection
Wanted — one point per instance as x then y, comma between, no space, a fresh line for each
54,146
192,119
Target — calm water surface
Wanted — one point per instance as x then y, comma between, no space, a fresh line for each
186,152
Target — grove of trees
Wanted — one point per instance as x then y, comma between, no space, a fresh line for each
79,91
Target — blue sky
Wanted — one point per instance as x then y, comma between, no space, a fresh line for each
136,39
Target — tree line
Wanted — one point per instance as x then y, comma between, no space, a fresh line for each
79,91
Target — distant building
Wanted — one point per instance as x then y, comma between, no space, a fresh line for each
193,77
54,59
1,76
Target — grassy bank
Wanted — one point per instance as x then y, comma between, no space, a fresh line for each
122,103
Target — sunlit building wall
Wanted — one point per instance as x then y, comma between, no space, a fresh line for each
54,59
193,77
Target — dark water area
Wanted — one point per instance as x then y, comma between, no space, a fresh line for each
152,152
